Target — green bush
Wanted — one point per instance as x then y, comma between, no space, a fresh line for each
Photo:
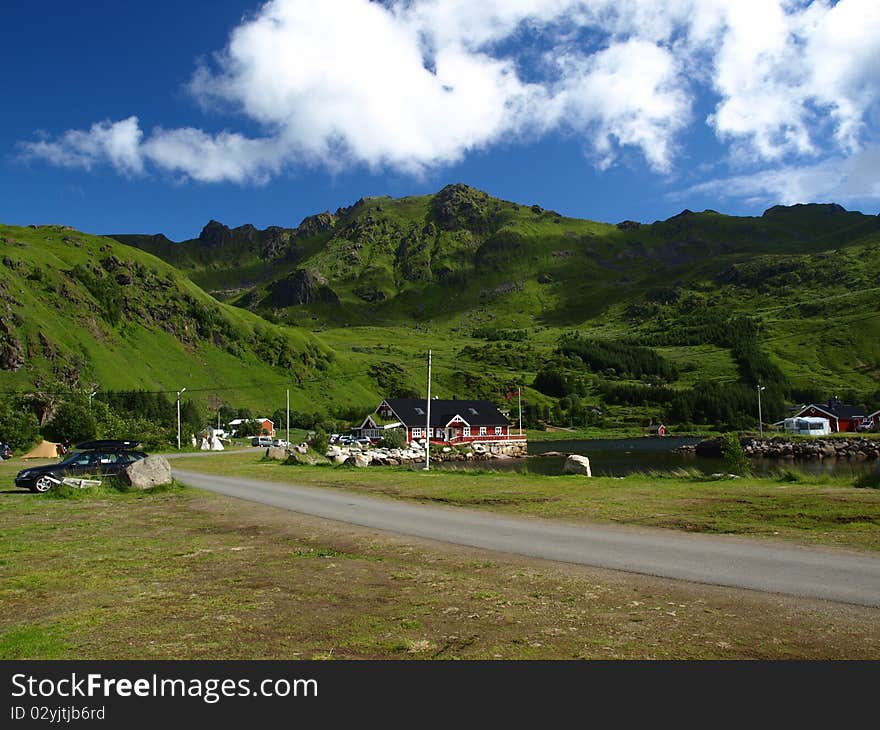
18,426
787,474
320,441
393,439
72,422
735,459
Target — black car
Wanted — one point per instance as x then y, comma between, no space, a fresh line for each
93,458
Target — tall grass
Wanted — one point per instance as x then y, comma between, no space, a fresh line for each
868,480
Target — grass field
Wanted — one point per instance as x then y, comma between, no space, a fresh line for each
813,510
184,575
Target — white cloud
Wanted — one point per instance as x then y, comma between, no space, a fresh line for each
629,92
347,78
415,84
116,143
784,75
851,180
206,158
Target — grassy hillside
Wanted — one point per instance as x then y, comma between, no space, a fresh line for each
605,325
78,310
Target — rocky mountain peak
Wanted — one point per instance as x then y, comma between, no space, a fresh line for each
215,234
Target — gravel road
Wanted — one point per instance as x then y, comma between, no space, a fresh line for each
836,575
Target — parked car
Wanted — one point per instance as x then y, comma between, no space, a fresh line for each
363,441
261,441
280,442
866,426
92,458
5,451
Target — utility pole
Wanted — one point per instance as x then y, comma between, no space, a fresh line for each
178,416
287,438
760,420
428,420
519,401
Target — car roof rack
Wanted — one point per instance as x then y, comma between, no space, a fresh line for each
107,444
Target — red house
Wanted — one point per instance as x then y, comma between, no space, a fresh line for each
452,421
267,427
841,416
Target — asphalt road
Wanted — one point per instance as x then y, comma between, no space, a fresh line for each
835,575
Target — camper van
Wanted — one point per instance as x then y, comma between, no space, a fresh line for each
807,426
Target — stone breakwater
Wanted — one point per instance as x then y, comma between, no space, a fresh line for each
857,449
357,456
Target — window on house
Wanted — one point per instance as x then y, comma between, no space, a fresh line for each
497,430
466,431
430,433
417,433
482,430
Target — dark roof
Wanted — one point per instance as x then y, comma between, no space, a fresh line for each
413,411
837,409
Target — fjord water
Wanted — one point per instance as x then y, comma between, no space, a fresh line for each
619,457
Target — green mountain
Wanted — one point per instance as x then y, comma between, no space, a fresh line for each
604,324
78,310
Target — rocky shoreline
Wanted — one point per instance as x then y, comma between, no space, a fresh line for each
777,447
356,456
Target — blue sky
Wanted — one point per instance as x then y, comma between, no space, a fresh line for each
147,118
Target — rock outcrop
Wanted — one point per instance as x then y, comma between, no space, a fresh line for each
215,234
301,287
314,225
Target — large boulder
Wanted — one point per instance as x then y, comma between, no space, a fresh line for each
577,464
358,459
278,453
154,471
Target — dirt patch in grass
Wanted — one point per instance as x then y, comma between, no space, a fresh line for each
186,575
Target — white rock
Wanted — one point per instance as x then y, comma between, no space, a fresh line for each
577,464
150,472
